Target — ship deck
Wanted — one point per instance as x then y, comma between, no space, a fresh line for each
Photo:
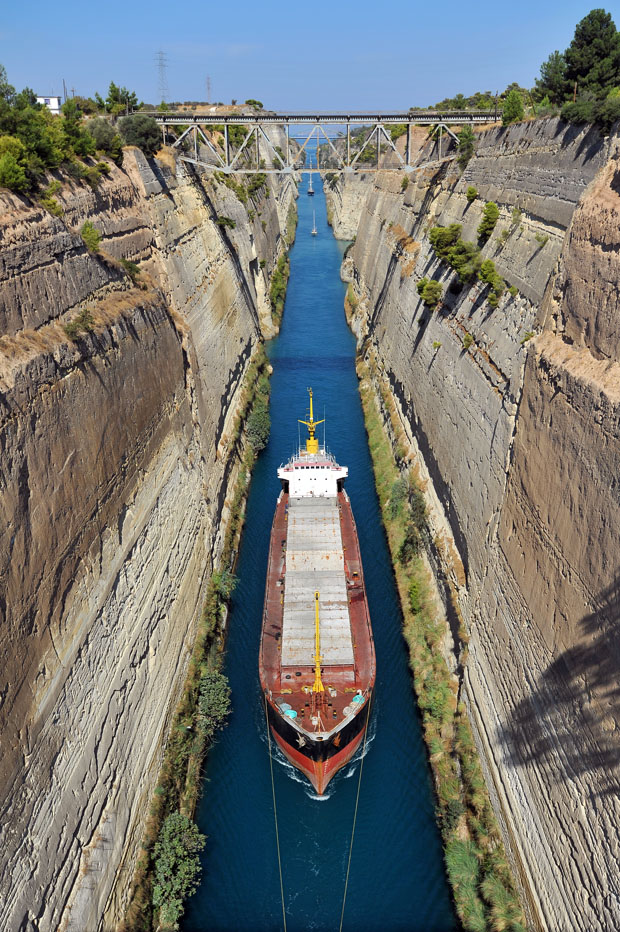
314,546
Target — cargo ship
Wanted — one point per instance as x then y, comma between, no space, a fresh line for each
317,656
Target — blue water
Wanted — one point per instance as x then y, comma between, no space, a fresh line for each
397,879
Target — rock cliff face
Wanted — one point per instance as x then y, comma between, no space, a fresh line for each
519,441
116,460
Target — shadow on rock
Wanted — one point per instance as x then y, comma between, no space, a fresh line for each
569,725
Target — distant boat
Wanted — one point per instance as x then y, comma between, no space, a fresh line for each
310,188
314,230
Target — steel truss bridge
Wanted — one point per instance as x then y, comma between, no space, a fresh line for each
306,128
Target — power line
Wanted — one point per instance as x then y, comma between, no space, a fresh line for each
161,60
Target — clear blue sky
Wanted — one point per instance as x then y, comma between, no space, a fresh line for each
306,55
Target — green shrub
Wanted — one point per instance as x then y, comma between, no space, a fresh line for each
398,130
467,341
416,593
256,183
527,336
443,238
259,425
83,323
487,272
465,259
583,110
91,236
410,546
49,202
213,703
77,140
489,275
513,108
277,289
398,495
466,140
102,132
132,269
12,174
490,216
542,239
404,184
471,194
513,291
430,292
141,131
225,222
177,866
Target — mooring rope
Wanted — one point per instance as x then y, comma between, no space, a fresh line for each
275,816
357,800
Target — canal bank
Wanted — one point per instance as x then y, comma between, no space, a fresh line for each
397,879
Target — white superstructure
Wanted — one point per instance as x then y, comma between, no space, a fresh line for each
312,474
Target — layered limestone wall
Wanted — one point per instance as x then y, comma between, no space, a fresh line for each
517,438
116,462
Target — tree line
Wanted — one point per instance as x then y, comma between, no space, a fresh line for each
33,140
582,83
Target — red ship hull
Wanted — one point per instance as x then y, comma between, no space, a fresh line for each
318,734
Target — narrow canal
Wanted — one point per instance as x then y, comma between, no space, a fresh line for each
397,879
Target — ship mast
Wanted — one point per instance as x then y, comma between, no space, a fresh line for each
312,444
318,683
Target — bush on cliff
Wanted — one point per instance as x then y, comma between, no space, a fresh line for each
443,238
90,236
430,291
177,866
277,289
464,257
12,164
141,131
106,138
466,140
259,425
490,216
513,108
213,703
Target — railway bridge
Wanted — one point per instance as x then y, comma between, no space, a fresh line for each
331,128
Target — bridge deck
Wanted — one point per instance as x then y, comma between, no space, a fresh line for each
340,118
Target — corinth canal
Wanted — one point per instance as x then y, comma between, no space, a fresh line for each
397,879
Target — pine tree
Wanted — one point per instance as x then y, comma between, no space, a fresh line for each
513,108
552,82
593,57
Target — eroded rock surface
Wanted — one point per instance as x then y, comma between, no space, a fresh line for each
117,457
518,438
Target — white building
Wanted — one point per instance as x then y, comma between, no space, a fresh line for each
51,102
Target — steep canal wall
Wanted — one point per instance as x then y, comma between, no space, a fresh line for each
118,453
513,412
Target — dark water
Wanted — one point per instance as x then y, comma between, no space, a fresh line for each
397,879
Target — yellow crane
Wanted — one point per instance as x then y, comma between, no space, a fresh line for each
312,444
318,682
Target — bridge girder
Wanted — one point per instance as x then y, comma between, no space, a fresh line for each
195,124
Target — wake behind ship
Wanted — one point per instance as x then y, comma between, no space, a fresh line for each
317,655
